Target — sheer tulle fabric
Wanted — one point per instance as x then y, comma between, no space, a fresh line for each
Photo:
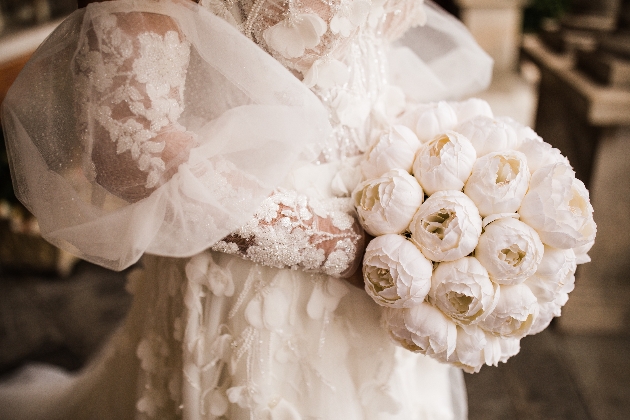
439,60
251,117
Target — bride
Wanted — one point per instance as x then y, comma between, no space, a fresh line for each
216,143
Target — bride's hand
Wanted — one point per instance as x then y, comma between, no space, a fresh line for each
287,232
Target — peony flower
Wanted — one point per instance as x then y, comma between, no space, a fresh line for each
510,250
293,35
469,354
388,204
471,108
429,120
498,182
396,273
552,284
444,163
446,227
581,252
557,205
515,312
546,313
500,349
488,135
326,73
556,269
539,154
463,291
431,331
523,132
394,321
396,148
549,310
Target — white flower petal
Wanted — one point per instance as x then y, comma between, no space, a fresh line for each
387,204
396,273
510,250
444,163
447,226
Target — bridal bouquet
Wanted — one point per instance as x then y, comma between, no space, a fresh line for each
479,226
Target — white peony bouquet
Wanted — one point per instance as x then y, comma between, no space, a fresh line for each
479,226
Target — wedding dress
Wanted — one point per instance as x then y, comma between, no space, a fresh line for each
229,178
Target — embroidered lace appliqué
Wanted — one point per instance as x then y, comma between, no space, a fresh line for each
133,86
287,232
339,48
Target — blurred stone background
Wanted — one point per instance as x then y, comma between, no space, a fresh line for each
561,66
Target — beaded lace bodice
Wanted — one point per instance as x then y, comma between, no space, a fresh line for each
338,48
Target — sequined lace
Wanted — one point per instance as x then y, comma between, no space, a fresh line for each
287,232
132,87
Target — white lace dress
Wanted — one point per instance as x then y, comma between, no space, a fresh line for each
259,325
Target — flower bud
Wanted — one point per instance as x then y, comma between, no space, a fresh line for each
394,322
539,154
556,269
523,132
468,354
581,252
500,349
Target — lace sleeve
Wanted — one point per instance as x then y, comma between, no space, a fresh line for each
289,232
130,73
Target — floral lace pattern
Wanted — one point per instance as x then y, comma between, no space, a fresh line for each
288,233
133,86
339,49
248,349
